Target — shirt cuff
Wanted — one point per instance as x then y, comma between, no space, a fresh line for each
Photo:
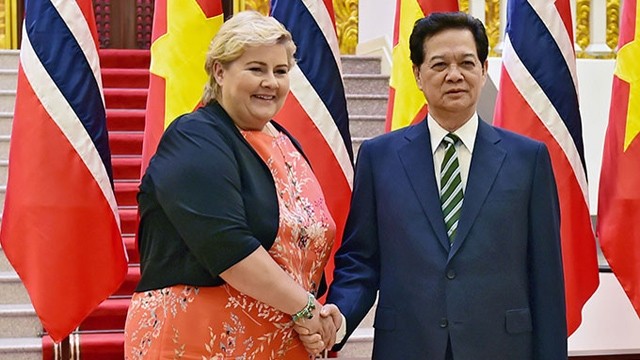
342,330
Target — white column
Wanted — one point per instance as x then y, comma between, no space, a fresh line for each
598,28
476,9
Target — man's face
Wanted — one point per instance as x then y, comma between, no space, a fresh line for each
451,76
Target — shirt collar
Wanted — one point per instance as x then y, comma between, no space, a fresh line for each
466,133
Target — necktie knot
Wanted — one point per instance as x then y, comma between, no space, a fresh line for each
450,139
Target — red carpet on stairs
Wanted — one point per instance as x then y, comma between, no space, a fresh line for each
125,78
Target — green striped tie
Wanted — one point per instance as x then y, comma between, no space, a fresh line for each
451,194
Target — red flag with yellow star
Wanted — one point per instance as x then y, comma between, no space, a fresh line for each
618,225
407,104
182,31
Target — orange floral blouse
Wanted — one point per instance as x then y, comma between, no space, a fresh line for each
204,323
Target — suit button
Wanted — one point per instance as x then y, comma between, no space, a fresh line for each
451,274
444,323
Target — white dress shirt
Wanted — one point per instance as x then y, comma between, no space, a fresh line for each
464,148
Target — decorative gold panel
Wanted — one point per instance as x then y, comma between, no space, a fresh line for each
613,24
346,24
492,24
583,37
463,5
3,25
8,24
346,12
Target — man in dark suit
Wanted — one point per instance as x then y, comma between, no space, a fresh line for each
454,223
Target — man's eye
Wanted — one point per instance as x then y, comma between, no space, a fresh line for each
439,66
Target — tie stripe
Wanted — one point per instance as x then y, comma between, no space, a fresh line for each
451,192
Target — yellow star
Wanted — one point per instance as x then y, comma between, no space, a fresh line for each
179,55
628,70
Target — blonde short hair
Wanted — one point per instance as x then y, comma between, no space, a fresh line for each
243,30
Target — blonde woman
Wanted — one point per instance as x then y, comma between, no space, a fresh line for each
234,231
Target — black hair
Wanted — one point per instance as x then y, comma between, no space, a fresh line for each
437,22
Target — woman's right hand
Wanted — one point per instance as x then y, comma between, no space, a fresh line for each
319,333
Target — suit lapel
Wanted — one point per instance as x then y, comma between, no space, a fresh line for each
486,161
417,160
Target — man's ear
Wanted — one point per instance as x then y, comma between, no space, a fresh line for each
416,75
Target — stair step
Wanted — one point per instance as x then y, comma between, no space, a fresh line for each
5,265
124,119
12,289
4,146
123,78
89,346
126,167
357,64
126,192
126,142
6,122
366,84
367,104
7,100
359,345
128,220
366,125
124,58
21,349
117,120
130,282
356,142
9,59
8,78
4,168
129,241
132,250
119,99
109,315
19,320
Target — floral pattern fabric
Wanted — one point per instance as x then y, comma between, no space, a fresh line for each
215,323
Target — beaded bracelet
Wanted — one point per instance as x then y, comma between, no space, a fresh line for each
307,311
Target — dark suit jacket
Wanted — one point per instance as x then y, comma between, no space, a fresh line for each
498,293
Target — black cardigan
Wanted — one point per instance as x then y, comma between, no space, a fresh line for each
207,200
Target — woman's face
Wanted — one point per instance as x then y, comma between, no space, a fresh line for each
254,86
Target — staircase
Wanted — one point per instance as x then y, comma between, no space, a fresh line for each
125,81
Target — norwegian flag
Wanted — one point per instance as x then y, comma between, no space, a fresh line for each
538,98
60,227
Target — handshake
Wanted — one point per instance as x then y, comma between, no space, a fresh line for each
318,332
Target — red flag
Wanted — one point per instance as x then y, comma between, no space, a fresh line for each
407,104
60,227
546,108
178,50
316,109
619,195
